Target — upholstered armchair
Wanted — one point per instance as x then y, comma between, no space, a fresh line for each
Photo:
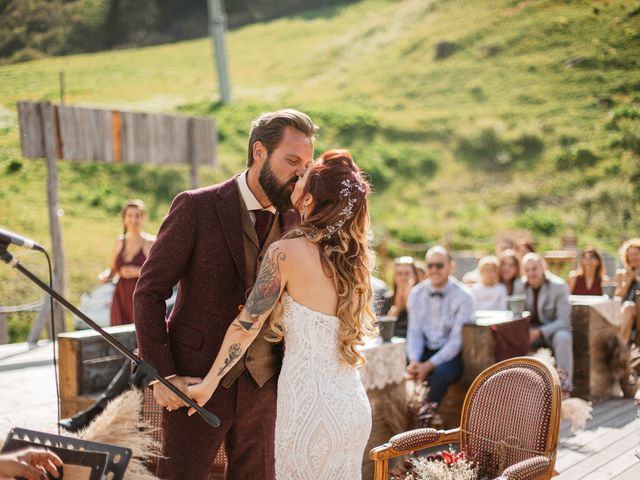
509,424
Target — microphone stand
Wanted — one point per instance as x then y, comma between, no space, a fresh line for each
146,371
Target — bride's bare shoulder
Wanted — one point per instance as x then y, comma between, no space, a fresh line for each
294,245
293,248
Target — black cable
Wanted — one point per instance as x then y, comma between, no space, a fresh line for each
54,338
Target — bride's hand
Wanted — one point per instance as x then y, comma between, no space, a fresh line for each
200,393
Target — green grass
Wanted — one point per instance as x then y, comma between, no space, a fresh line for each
500,136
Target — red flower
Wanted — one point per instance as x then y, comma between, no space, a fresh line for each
447,457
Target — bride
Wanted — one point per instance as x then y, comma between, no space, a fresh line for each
314,289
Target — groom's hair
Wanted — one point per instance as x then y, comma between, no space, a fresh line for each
268,129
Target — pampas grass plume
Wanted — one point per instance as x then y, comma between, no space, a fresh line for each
121,423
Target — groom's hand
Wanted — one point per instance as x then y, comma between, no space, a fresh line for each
169,400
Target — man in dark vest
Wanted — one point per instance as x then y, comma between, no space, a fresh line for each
211,244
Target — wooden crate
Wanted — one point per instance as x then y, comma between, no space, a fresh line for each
479,345
593,319
87,364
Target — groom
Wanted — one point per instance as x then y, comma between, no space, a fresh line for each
211,244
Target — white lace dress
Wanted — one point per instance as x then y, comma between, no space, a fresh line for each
324,416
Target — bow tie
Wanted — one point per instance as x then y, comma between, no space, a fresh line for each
437,294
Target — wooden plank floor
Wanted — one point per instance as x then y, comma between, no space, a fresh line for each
607,447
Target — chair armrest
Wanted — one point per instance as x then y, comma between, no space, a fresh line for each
528,469
418,439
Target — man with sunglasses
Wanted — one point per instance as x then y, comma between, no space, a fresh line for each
438,308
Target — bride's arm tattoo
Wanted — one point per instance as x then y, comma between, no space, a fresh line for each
266,290
246,326
235,352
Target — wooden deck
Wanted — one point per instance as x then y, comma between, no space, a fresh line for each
606,449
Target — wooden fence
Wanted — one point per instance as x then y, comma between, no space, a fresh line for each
116,136
80,134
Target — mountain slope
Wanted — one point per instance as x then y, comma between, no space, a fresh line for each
532,122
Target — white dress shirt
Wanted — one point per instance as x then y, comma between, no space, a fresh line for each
249,199
435,321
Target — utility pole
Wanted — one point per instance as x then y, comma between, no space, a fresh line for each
217,24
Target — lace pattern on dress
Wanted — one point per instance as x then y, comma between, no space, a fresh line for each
324,416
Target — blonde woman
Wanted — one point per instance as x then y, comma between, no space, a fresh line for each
317,280
628,288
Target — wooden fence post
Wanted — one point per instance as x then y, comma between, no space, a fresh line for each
4,329
51,147
192,158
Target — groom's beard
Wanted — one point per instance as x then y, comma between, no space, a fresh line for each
279,194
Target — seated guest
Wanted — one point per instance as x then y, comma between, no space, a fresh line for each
588,278
421,268
524,246
438,308
502,245
405,277
510,271
547,298
490,294
628,288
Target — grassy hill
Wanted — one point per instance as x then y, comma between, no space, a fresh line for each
532,122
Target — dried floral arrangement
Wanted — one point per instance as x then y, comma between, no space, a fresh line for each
446,465
422,413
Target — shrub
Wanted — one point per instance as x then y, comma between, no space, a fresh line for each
14,166
386,162
489,145
627,113
528,145
346,125
579,158
483,145
25,55
630,129
540,221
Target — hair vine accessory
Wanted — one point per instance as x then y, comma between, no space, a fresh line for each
347,191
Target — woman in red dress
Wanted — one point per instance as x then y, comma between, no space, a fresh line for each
129,254
587,280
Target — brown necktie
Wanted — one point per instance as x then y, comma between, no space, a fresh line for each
264,220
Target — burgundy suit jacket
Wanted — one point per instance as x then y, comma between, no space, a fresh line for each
200,247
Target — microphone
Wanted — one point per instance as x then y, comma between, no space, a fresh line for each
8,237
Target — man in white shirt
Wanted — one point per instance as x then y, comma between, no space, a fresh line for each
438,308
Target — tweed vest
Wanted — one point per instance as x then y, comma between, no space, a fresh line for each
261,358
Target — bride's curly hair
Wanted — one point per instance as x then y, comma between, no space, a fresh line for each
339,225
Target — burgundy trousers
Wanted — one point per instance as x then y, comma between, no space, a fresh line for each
248,420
